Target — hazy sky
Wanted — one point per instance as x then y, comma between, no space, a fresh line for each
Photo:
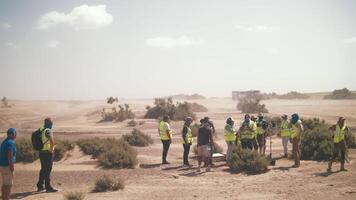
79,49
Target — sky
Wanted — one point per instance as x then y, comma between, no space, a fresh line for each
84,50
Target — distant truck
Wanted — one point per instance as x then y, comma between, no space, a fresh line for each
237,95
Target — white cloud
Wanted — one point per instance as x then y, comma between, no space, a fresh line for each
259,28
167,42
5,25
12,45
81,17
350,40
52,44
272,51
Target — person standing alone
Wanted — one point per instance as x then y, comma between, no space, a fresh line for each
46,157
166,137
7,160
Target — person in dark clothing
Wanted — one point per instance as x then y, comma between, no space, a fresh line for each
46,157
211,124
187,138
205,144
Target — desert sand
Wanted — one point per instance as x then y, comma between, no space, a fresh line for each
150,180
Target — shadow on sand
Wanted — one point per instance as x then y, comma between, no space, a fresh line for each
149,166
22,195
327,173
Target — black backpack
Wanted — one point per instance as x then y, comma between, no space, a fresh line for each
36,139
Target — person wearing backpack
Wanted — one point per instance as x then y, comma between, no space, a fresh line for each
7,160
46,157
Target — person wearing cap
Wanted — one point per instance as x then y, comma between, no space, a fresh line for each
7,161
205,144
246,132
165,134
339,130
187,138
46,157
297,130
229,136
285,134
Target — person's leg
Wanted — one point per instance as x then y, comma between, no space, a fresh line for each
166,144
199,157
264,144
188,150
254,143
185,154
6,190
343,155
41,176
250,144
285,145
47,171
334,156
228,151
296,152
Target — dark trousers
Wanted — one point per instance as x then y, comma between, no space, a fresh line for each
339,147
186,153
46,168
246,144
166,144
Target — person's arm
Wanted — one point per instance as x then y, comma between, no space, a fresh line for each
49,135
211,138
168,128
184,134
10,158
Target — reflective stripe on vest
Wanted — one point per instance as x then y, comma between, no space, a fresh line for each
188,136
163,131
339,134
248,134
45,140
229,136
295,132
285,129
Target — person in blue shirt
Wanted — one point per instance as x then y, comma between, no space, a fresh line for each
7,160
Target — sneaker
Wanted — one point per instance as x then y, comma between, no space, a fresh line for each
40,189
343,170
165,163
51,190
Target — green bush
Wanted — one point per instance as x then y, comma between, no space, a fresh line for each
93,147
217,149
25,152
293,95
105,183
74,196
341,94
178,111
251,105
248,161
137,138
61,148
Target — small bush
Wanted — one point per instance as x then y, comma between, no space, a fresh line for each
118,114
350,140
93,147
25,152
247,161
293,95
75,196
105,183
341,94
251,105
178,111
217,149
137,138
61,148
198,107
132,123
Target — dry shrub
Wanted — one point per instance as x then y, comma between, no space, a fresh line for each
293,95
132,123
61,148
77,195
178,111
251,105
25,152
105,183
198,107
119,113
341,94
245,160
138,138
93,147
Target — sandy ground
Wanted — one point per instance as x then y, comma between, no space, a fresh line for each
149,180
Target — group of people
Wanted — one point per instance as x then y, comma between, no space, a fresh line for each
251,134
8,153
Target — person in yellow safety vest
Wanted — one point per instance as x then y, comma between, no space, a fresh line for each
165,133
339,130
285,133
254,139
262,130
246,132
297,130
229,136
187,138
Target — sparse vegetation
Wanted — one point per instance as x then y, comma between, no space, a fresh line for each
5,103
251,105
293,95
341,94
245,160
111,100
25,152
137,138
178,111
198,107
93,147
119,113
132,123
77,195
105,183
188,97
61,148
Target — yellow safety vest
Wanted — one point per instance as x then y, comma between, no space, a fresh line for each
230,136
45,140
188,136
285,129
295,132
163,131
339,134
248,134
259,130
